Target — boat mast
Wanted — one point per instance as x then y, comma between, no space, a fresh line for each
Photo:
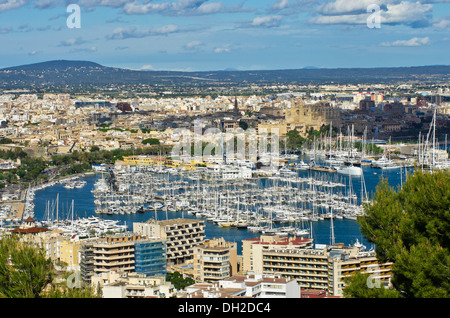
332,229
434,137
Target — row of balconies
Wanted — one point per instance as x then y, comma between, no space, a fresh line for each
215,265
212,259
113,257
191,226
215,253
177,232
173,238
295,265
188,243
113,250
215,274
113,264
173,254
133,294
321,274
102,269
302,278
295,259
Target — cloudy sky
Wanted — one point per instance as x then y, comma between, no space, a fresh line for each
202,35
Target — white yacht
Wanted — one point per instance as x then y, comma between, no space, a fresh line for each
302,166
349,170
383,163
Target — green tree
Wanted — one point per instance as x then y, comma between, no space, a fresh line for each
313,133
178,281
150,141
24,269
94,148
410,227
63,290
294,140
243,124
357,287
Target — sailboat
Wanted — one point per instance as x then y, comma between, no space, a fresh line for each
349,170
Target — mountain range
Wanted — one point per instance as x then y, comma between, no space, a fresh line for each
80,73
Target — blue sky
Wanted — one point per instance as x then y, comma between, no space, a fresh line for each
202,35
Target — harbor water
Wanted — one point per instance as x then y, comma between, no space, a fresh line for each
346,231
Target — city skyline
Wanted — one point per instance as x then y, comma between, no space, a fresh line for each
203,35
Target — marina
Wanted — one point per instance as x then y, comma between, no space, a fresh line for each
307,203
328,184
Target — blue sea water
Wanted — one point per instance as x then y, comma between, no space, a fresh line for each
345,231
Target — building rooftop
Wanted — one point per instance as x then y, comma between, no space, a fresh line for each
278,240
174,221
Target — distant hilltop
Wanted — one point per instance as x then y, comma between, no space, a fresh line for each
79,73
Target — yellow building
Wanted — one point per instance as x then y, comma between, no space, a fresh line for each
69,253
215,260
252,249
345,263
145,161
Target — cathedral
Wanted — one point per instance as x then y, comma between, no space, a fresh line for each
303,117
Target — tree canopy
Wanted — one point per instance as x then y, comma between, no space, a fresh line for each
26,272
410,227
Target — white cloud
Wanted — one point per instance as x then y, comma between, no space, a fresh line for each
133,32
71,42
411,42
192,45
341,19
182,7
267,21
280,5
210,8
407,12
87,4
349,6
414,14
7,5
223,49
442,24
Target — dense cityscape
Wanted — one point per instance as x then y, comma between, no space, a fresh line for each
127,145
223,156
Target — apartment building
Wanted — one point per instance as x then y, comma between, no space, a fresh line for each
252,249
69,254
343,264
181,236
321,268
115,253
87,266
214,260
308,266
